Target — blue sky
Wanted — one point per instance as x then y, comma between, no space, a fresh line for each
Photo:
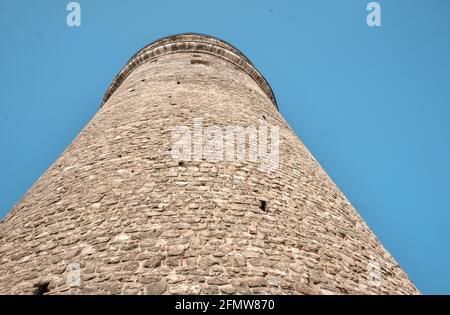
372,104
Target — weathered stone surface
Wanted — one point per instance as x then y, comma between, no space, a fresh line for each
156,288
137,221
154,261
227,289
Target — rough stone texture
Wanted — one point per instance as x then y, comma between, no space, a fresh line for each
139,222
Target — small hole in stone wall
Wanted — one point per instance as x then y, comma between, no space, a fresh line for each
181,163
120,155
264,117
263,205
132,90
201,62
170,96
41,288
143,80
178,82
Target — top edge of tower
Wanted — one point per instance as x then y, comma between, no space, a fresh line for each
191,42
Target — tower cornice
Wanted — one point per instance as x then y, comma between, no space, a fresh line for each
195,43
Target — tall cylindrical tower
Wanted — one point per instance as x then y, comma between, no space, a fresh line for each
188,180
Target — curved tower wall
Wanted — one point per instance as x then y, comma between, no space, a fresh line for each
120,213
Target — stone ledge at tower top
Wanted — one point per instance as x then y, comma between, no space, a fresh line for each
196,43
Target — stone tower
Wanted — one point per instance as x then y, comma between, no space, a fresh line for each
121,213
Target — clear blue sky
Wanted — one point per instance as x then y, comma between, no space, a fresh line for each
373,105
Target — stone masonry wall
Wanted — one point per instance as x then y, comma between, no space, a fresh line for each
139,222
